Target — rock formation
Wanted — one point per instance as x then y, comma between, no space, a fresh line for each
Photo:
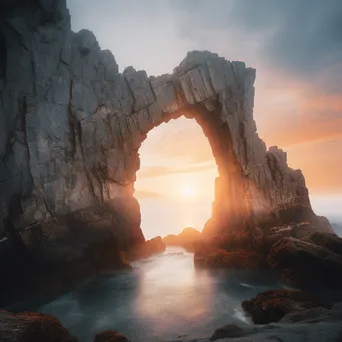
272,306
32,326
150,247
187,239
71,126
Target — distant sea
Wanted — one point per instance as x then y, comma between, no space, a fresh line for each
163,216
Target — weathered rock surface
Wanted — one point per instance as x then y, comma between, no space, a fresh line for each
306,265
71,127
186,239
233,260
32,327
233,250
72,124
331,242
272,306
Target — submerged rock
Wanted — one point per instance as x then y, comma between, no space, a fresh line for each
272,306
32,327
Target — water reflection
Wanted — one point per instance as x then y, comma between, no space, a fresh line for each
162,298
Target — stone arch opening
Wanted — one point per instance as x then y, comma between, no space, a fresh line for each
176,179
229,208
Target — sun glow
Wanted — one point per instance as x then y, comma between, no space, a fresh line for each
188,190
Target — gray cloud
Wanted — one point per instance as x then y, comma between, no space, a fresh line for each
298,36
301,37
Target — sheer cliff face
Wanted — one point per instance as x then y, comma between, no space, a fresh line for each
71,125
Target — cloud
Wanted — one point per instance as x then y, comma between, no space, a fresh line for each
312,116
299,36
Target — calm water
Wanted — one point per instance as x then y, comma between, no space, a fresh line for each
162,298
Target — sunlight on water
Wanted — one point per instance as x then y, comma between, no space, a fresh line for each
163,297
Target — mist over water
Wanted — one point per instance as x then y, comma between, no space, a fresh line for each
168,216
162,298
165,216
331,208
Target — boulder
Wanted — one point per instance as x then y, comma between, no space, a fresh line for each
272,306
235,260
32,327
329,241
305,265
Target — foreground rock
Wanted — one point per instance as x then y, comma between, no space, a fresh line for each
32,327
329,241
272,306
323,326
187,239
307,265
302,254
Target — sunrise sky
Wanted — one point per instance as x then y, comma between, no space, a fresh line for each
296,47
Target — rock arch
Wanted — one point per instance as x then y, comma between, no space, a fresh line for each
71,127
70,130
255,185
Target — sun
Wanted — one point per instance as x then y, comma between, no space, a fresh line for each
188,190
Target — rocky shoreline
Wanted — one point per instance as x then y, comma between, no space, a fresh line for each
281,315
71,126
303,257
287,315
